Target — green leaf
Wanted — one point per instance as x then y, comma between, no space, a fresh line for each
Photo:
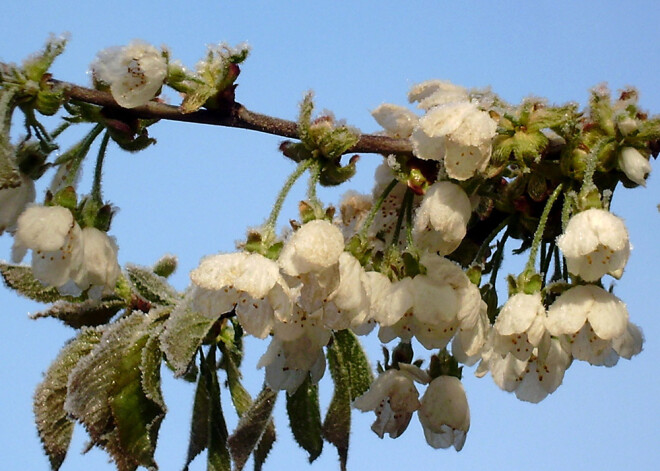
251,427
242,400
54,426
305,418
150,363
199,427
152,287
183,335
105,393
21,279
239,395
84,314
352,376
265,445
218,458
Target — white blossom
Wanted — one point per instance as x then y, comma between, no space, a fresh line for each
595,243
288,362
457,133
316,245
393,397
397,121
634,165
13,201
444,413
100,267
436,92
441,220
135,73
55,239
249,282
520,325
593,319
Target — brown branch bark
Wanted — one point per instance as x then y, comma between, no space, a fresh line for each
237,117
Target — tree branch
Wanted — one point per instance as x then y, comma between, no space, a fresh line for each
237,117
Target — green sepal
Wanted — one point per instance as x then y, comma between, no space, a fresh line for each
251,427
305,418
352,377
38,64
20,279
333,174
54,426
152,287
444,364
89,313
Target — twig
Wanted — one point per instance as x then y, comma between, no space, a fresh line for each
237,117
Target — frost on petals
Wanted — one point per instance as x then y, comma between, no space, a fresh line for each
595,243
316,245
135,73
444,413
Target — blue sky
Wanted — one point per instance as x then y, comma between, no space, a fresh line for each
200,187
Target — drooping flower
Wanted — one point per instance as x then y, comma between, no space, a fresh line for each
593,319
289,362
634,165
135,73
431,306
55,239
393,397
520,325
444,413
457,133
595,243
441,220
13,201
100,267
250,283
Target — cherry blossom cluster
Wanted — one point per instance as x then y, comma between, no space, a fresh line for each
409,259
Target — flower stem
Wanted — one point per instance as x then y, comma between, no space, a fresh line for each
277,207
79,153
407,201
98,170
498,257
486,243
538,235
314,175
376,207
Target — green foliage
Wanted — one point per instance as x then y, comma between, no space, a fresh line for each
184,333
53,423
305,418
87,313
152,287
252,426
20,279
106,392
352,377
